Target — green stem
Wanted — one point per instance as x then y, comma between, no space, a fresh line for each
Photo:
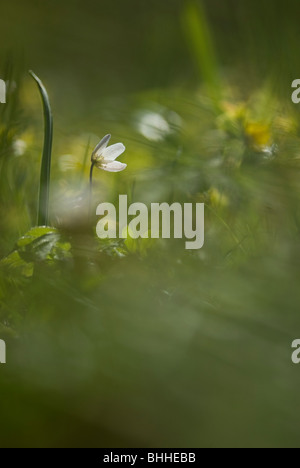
43,208
91,187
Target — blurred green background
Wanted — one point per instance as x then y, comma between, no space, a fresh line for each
142,343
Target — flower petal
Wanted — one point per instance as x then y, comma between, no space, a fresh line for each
113,152
114,166
101,146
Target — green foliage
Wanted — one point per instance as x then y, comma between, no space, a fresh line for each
39,245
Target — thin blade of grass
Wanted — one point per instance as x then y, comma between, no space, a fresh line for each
85,159
200,42
43,208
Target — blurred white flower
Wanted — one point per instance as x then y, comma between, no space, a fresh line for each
19,147
153,126
105,157
157,125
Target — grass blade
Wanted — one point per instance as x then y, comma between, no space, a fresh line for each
43,208
200,42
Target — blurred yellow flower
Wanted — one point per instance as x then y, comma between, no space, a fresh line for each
218,199
234,111
259,134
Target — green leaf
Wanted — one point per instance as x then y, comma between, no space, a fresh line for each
14,263
40,244
43,209
35,233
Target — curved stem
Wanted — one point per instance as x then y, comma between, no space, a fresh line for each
91,187
43,209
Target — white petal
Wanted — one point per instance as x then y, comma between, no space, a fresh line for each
113,152
101,146
114,166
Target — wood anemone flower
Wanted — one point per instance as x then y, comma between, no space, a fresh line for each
104,157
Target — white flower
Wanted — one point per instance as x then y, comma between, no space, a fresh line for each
19,147
105,157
